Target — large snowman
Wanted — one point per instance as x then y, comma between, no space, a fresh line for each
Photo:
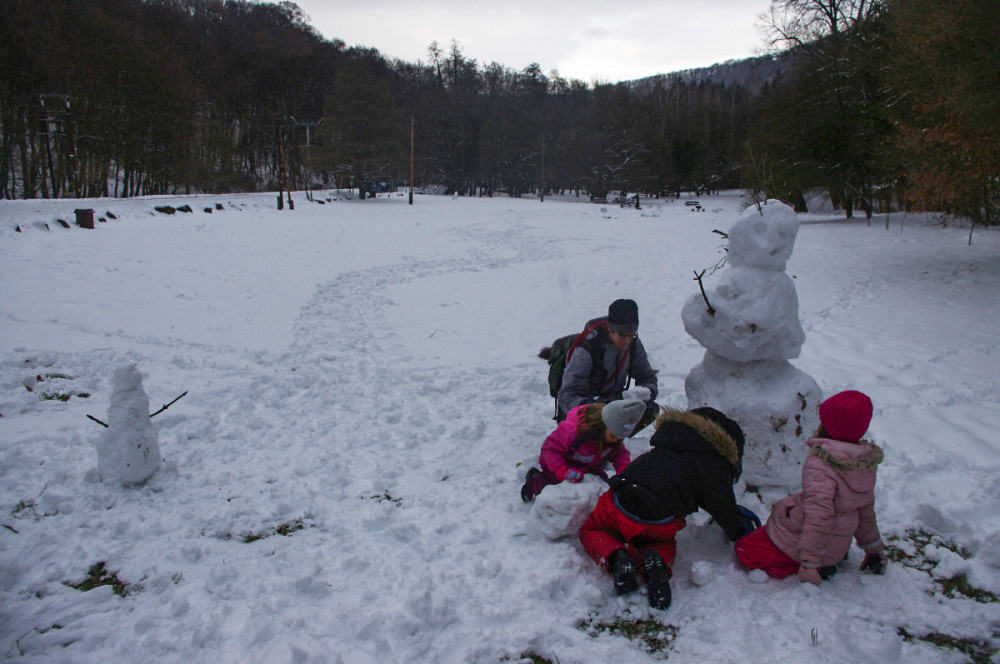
750,337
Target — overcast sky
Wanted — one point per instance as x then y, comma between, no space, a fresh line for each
582,39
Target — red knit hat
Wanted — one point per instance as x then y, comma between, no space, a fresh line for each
846,415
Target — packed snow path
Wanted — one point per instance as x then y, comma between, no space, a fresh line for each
341,482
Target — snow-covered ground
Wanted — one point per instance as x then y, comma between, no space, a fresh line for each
340,483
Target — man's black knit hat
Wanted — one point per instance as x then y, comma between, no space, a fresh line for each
623,316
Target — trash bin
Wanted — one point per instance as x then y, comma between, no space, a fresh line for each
85,218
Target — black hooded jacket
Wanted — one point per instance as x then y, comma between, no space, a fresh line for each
695,459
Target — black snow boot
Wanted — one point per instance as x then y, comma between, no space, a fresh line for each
622,567
826,573
657,580
528,490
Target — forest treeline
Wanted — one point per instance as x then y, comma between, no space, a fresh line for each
890,103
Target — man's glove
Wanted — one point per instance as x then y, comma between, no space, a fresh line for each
874,562
573,475
751,521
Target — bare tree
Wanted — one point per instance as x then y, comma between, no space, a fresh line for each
805,23
839,93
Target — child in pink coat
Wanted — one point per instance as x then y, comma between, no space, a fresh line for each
810,532
590,436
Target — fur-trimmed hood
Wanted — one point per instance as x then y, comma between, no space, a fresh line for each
694,460
709,431
855,463
845,457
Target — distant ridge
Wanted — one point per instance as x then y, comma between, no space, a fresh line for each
750,73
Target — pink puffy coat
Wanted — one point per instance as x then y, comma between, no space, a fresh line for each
837,502
565,449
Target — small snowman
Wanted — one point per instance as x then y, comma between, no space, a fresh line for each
749,338
128,452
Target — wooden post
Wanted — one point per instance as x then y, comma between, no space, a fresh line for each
309,195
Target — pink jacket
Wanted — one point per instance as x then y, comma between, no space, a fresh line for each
563,449
837,502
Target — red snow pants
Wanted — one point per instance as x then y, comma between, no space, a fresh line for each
757,551
607,530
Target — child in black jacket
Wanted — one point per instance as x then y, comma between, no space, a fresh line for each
695,459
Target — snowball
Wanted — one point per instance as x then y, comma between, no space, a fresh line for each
763,239
637,393
756,317
701,572
560,509
129,450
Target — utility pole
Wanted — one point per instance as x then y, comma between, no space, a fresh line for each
308,148
411,159
309,195
283,183
54,120
541,191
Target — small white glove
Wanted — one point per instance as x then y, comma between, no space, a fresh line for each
637,393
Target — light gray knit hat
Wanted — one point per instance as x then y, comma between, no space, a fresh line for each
621,416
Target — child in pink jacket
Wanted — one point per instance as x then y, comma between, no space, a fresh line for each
810,532
590,436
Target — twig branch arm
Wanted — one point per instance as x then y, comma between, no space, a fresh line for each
697,277
103,424
169,405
